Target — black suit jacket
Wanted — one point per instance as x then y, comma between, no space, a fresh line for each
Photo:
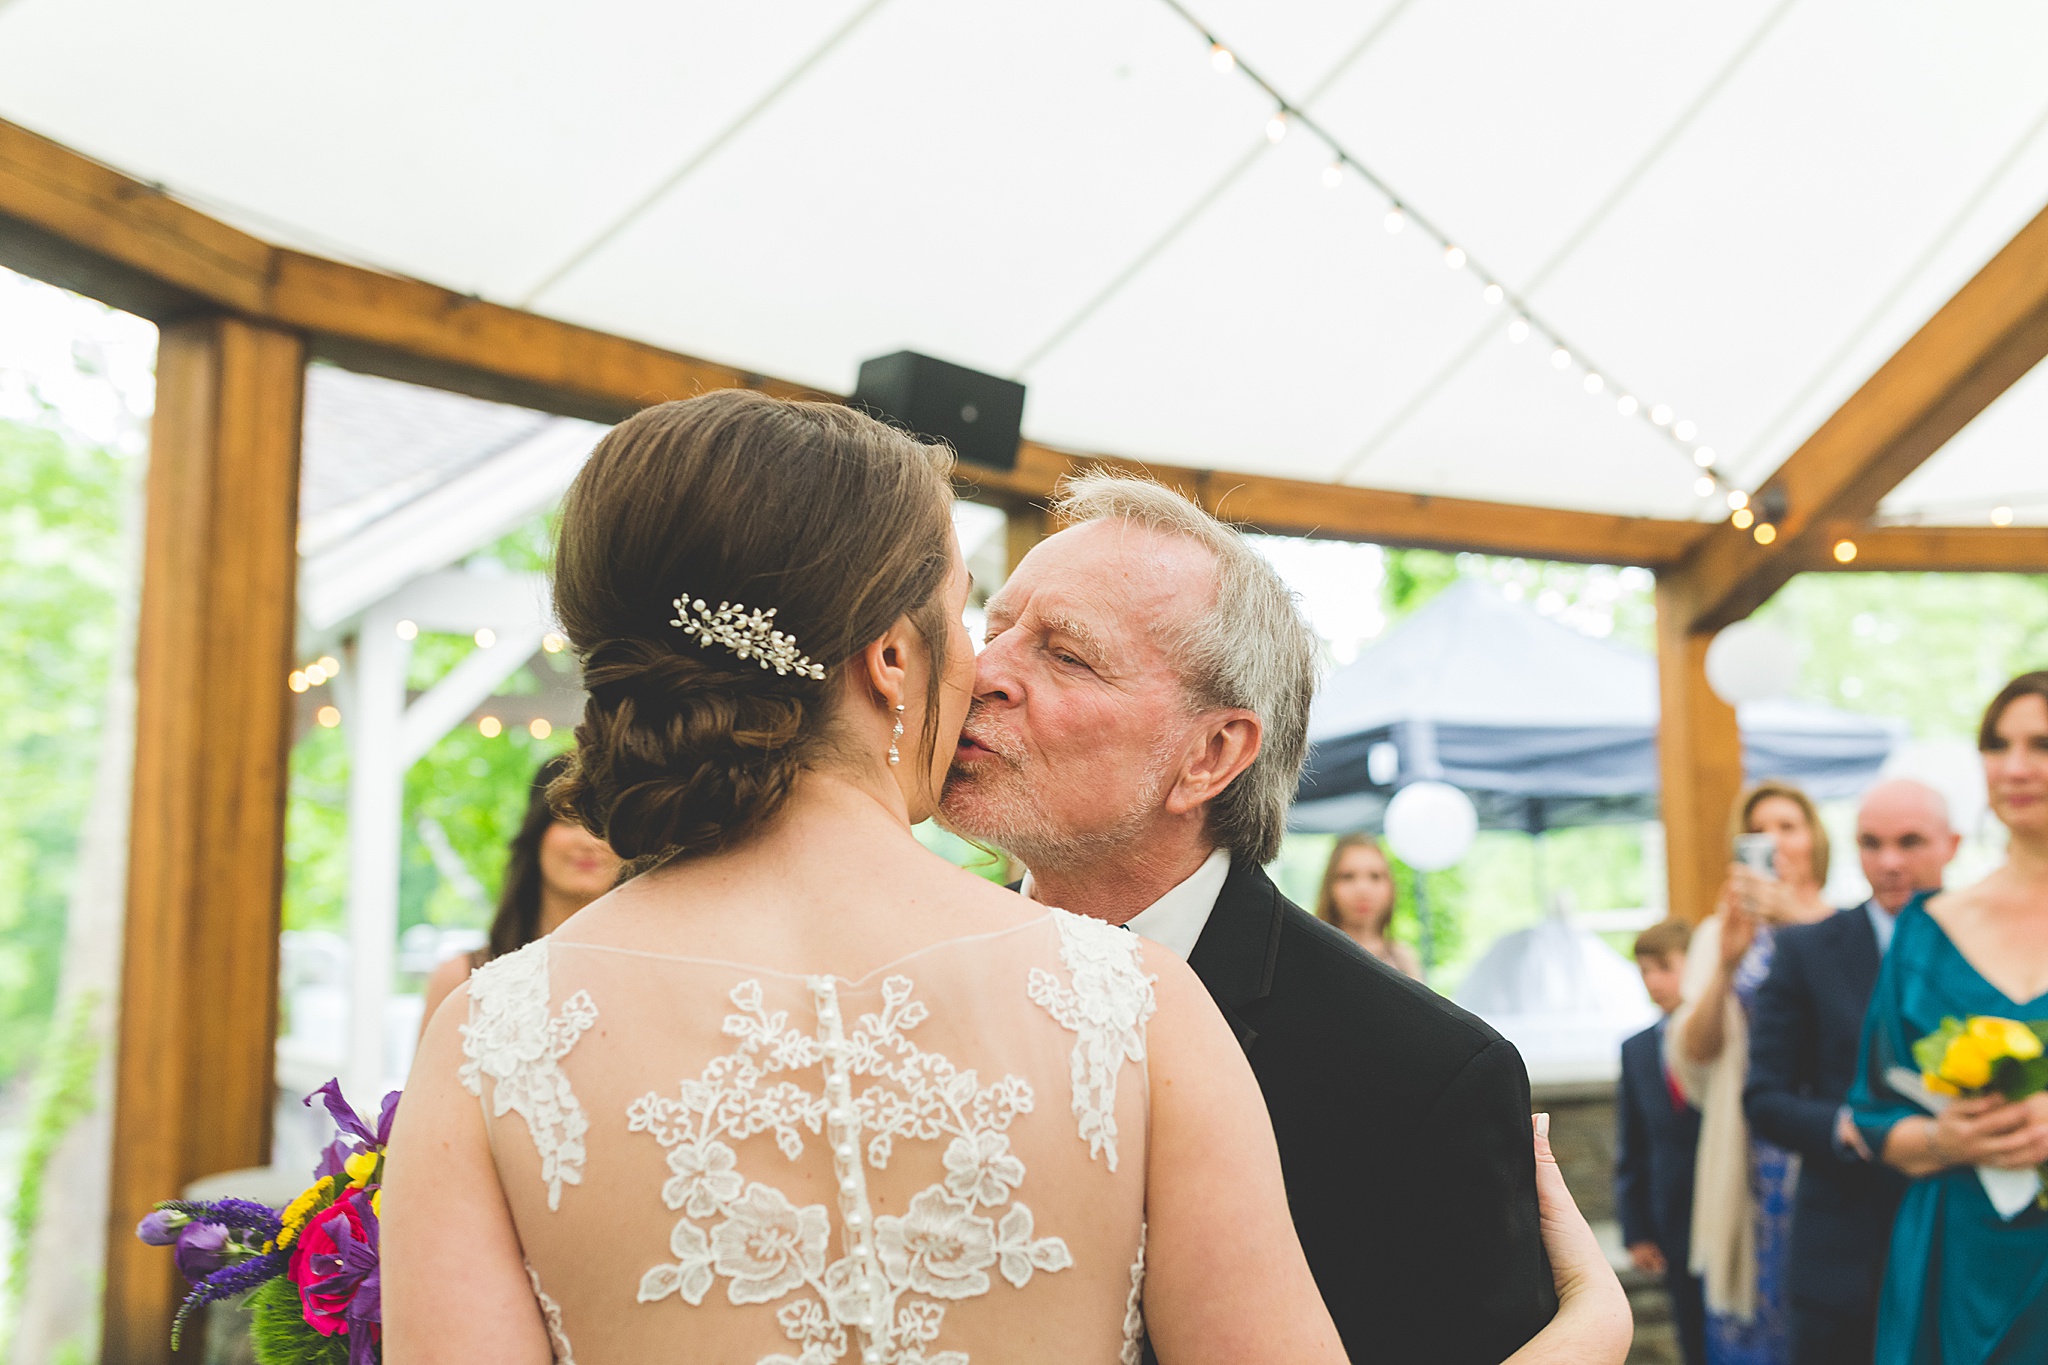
1805,1034
1403,1125
1655,1143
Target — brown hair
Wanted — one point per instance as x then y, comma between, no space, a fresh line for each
517,921
2034,684
1665,938
1745,809
1326,904
839,523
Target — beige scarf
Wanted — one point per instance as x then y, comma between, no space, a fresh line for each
1723,1208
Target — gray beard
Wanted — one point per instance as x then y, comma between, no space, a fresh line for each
1010,816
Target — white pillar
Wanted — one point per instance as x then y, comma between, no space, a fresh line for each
376,796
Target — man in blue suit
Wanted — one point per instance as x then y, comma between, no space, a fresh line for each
1805,1033
1658,1135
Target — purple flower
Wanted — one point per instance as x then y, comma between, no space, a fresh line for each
351,1123
202,1249
160,1227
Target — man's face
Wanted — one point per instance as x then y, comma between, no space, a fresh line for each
1080,720
1903,836
1661,975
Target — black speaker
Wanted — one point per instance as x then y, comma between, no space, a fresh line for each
977,414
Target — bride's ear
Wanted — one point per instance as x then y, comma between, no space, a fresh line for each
882,669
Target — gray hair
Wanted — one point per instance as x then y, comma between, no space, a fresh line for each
1253,650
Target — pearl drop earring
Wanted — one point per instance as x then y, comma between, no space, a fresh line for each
894,735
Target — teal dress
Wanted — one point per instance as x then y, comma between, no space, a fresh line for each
1963,1286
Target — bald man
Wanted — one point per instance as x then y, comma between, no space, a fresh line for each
1805,1032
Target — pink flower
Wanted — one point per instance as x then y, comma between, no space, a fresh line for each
334,1264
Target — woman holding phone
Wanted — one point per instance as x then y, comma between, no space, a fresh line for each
1743,1185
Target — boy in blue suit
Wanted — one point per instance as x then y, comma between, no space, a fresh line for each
1658,1135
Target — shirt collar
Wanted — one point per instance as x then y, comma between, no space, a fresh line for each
1882,922
1176,920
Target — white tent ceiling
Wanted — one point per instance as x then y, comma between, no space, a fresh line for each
1738,209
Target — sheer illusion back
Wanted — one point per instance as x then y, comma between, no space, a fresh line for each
938,1163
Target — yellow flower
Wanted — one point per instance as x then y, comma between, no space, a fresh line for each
2005,1037
299,1210
360,1168
377,1201
1967,1063
1937,1084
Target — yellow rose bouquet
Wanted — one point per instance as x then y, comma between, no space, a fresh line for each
1987,1055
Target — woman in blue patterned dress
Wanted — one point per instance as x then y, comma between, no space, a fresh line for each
1742,1202
1965,1283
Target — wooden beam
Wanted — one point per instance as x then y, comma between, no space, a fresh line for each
1699,759
1930,549
198,1008
1977,346
111,231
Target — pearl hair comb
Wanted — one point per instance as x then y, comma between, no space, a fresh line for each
751,635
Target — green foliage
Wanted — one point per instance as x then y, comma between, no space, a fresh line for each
280,1333
1415,576
60,566
1928,648
62,1096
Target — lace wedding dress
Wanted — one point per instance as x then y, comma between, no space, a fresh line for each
939,1163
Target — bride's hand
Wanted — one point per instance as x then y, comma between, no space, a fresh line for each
1593,1324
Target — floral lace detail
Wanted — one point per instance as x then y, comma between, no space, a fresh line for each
765,1248
1134,1310
1108,1005
551,1313
511,1039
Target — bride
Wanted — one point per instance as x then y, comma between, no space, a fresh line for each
800,1092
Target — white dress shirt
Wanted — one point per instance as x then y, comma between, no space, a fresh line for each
1882,922
1176,920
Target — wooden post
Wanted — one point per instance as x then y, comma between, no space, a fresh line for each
1699,758
194,1078
1028,525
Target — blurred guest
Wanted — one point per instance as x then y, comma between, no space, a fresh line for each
1743,1185
1358,897
1966,1285
1805,1029
1657,1134
553,868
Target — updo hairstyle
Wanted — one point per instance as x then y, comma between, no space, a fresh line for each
841,524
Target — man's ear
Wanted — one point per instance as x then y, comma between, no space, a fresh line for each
1224,747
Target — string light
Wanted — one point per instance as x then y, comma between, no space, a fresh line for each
314,674
1737,500
297,681
485,637
2001,516
1456,256
490,727
1742,518
407,630
539,728
1845,551
329,664
328,717
1703,487
553,643
1704,457
1765,533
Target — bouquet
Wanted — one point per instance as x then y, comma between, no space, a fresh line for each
1987,1055
313,1266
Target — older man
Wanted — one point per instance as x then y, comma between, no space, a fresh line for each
1137,731
1805,1036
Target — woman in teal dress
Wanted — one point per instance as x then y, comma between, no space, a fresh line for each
1965,1286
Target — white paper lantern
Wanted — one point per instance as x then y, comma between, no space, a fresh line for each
1752,661
1430,825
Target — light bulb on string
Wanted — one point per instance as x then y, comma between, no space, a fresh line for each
1661,414
1765,533
2001,516
1493,293
1560,358
1333,175
1594,383
1737,499
1220,58
1703,487
1845,551
1704,457
1518,331
1741,518
1454,257
1395,219
1276,127
1626,405
1685,431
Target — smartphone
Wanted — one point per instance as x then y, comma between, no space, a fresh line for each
1758,853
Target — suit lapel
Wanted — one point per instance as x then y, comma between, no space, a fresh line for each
1240,947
